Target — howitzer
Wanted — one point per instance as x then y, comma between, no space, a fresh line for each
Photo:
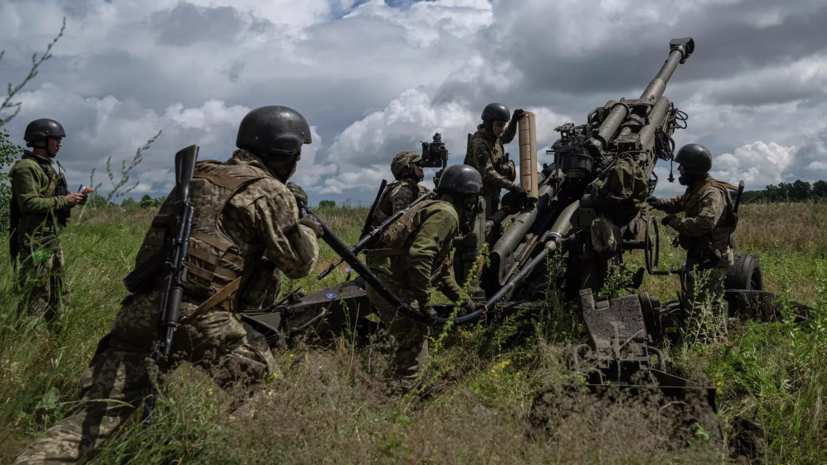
373,235
177,227
624,137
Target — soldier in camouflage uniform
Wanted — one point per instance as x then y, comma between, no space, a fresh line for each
245,229
413,255
486,154
706,230
406,167
39,207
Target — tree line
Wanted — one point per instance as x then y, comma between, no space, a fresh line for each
797,191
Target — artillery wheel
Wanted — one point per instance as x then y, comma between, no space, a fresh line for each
651,243
745,274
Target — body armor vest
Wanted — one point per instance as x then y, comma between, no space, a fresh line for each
384,207
213,261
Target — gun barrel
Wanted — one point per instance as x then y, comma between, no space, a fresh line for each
680,49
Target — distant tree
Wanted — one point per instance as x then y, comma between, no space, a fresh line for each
327,204
146,201
800,191
96,200
129,203
820,189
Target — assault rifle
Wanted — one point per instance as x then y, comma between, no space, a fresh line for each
177,225
372,236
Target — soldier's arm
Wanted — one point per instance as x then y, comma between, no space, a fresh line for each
508,134
25,185
712,206
401,196
482,153
429,239
674,205
275,217
451,288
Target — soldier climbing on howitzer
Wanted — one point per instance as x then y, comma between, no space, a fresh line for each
40,206
486,154
234,227
413,255
706,231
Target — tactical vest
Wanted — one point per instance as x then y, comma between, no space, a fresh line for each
721,236
384,207
213,261
397,239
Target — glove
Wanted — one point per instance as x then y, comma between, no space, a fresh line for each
517,190
517,116
298,193
668,219
313,223
430,313
472,305
653,201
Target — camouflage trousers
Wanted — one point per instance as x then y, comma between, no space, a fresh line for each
410,337
40,279
706,287
119,376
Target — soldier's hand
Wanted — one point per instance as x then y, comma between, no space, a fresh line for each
668,219
653,201
75,199
298,193
472,305
430,313
517,190
518,115
313,223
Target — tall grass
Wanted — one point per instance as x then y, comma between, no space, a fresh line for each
331,404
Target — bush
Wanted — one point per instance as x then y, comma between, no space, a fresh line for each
327,204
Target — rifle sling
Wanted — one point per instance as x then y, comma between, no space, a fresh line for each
216,299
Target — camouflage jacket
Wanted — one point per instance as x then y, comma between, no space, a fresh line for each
33,192
485,153
429,234
245,226
709,214
396,196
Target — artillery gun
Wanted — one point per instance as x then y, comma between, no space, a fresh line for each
588,207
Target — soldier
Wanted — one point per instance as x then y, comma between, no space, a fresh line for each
406,167
40,207
485,153
415,253
245,229
706,230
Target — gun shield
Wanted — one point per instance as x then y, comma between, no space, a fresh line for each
528,154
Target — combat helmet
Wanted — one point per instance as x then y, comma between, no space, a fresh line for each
276,134
40,129
402,164
460,179
494,112
695,158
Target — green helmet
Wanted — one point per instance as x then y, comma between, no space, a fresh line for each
402,164
695,158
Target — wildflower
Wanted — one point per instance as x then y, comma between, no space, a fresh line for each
292,356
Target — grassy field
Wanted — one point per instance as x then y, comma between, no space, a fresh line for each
328,404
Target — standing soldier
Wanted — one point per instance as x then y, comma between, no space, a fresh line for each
40,206
706,230
414,253
485,153
406,167
245,228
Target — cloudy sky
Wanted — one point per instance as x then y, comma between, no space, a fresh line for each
376,77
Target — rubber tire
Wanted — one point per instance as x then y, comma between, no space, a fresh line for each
745,274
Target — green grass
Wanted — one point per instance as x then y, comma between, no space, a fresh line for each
329,404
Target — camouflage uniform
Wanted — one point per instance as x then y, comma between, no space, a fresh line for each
708,225
426,233
397,196
36,202
245,227
486,154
